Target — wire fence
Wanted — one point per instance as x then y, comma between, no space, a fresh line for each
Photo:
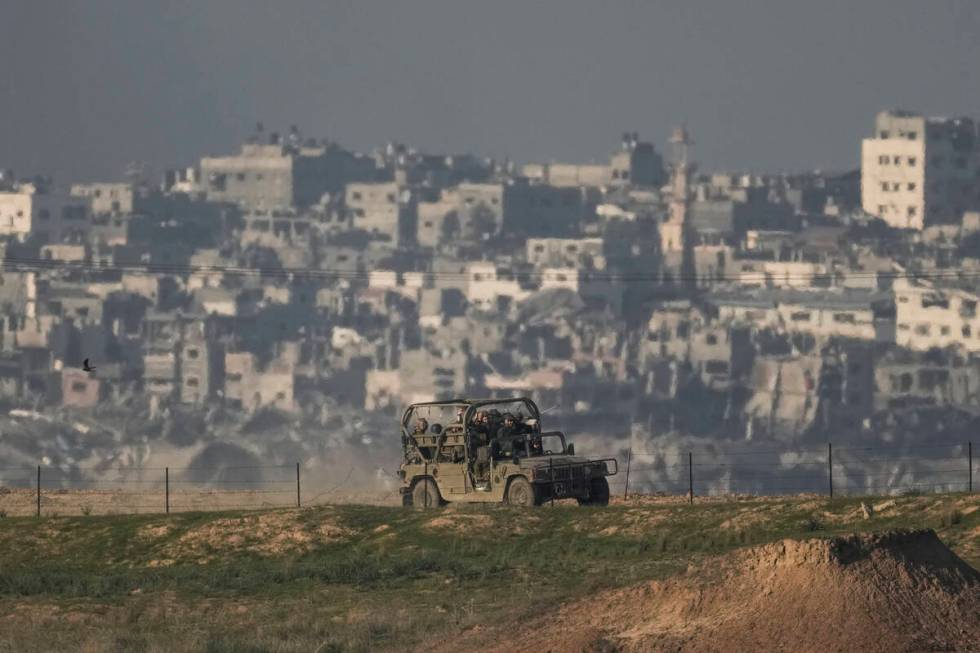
51,490
828,470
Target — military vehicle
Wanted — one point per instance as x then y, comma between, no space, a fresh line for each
467,451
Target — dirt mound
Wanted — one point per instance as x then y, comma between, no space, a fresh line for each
898,591
270,533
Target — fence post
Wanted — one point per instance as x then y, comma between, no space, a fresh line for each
38,490
166,486
629,457
830,469
297,485
969,458
690,477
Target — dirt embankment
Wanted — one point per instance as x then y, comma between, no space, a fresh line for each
892,592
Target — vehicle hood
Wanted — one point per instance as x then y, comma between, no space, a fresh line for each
545,461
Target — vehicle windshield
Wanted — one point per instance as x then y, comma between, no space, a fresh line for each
552,444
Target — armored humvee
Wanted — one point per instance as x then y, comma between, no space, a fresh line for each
456,451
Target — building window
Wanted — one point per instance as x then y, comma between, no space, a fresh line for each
896,160
881,208
801,316
903,327
935,301
968,308
711,339
883,134
883,159
911,186
944,331
912,161
192,353
912,211
896,186
192,382
844,318
967,331
912,135
884,186
921,329
240,176
79,386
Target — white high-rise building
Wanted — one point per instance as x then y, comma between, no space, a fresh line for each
918,171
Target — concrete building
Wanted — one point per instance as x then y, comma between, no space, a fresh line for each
928,317
857,314
918,171
200,364
252,387
280,174
108,198
29,210
388,211
637,163
566,252
80,389
487,286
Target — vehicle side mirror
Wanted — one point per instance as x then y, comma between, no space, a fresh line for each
516,461
571,449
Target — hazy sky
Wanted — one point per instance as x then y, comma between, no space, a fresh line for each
89,85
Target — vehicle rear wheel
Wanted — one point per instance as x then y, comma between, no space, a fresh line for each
598,493
520,492
425,494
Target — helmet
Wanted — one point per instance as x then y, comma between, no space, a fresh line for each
508,416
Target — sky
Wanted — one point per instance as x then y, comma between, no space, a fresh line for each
777,85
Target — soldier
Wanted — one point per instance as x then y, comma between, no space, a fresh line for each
460,413
480,426
537,449
421,426
505,437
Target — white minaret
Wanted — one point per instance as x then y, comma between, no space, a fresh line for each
672,231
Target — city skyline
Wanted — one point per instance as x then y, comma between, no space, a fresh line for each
166,84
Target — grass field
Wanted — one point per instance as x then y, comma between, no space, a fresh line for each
364,578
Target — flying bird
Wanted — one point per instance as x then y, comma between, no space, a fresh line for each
86,367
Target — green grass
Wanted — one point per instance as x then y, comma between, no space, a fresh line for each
394,582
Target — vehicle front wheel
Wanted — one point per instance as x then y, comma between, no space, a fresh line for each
425,494
520,492
598,493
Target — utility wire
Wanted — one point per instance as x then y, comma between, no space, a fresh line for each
13,263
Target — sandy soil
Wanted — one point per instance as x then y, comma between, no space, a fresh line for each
888,593
22,502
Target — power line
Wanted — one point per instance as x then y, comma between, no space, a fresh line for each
14,263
